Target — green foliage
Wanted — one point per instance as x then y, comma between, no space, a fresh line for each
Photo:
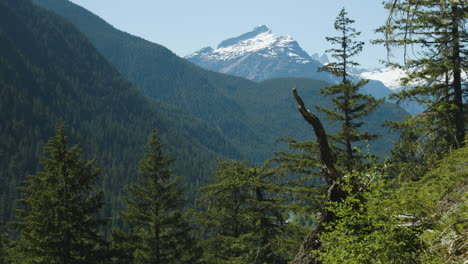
439,202
246,211
58,223
301,159
435,31
301,166
346,47
424,221
244,217
349,105
158,231
368,229
415,152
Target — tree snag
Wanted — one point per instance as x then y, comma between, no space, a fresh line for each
331,175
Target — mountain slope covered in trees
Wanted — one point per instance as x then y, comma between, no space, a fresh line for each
251,115
50,74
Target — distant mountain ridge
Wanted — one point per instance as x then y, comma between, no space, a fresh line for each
259,55
320,58
235,52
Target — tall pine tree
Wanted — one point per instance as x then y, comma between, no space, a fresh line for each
342,157
58,222
159,232
243,217
349,104
435,33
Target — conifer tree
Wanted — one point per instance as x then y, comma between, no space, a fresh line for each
435,33
349,104
341,158
159,232
58,221
243,217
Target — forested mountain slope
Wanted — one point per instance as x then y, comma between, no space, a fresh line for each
252,115
50,74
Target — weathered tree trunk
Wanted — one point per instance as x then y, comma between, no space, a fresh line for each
327,156
331,175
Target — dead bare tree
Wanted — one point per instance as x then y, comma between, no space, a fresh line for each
331,175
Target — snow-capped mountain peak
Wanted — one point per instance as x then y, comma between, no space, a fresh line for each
256,31
259,42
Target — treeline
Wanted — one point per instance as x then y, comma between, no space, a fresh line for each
241,217
245,214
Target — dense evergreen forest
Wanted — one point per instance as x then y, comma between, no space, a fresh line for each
52,75
114,150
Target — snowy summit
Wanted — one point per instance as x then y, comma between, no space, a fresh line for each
257,55
261,41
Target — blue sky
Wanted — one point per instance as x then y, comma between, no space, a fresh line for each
184,26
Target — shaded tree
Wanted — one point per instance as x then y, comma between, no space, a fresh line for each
243,217
433,36
158,232
58,222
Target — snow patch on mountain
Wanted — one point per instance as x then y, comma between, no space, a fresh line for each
389,76
392,76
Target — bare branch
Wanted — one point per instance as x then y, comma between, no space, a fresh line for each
327,156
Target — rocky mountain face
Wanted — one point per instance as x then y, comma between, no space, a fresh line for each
259,55
321,58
